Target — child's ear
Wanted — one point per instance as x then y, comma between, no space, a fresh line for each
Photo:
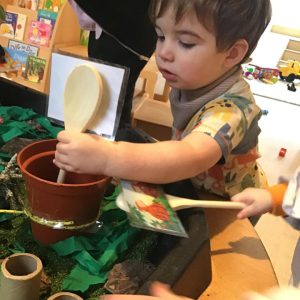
236,53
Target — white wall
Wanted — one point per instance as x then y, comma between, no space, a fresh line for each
286,13
271,45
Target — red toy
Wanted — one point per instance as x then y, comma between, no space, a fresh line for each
282,152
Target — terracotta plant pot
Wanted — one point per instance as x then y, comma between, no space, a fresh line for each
58,211
21,277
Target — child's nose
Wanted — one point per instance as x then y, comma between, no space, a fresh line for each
165,52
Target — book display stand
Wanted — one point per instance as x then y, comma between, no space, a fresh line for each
34,71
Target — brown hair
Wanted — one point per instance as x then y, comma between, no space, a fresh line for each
229,20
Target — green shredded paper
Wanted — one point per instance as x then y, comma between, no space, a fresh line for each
78,264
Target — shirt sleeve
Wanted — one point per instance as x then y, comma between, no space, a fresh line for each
223,121
277,191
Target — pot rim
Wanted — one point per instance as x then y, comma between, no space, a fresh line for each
48,153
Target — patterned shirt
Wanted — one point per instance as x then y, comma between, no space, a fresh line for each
232,120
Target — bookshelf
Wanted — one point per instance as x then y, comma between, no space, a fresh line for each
66,31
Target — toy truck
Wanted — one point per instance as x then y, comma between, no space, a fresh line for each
290,71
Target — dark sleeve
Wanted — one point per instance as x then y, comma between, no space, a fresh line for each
126,20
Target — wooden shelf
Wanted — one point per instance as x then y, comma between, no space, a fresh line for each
79,50
295,32
66,31
292,51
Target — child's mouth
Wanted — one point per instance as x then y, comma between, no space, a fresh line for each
168,75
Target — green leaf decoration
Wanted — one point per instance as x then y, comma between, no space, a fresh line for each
2,13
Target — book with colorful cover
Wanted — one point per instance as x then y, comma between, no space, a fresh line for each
34,4
29,49
15,62
47,16
20,3
8,26
53,5
20,27
35,69
84,37
29,4
41,4
39,33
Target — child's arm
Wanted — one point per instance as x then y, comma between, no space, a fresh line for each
260,201
160,162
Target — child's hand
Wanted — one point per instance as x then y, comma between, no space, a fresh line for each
159,291
81,153
287,293
258,201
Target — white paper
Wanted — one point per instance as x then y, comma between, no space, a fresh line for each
112,79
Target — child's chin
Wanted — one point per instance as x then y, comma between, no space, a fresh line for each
175,85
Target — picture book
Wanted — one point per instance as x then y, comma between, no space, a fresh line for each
15,62
35,69
20,27
46,16
34,4
2,13
84,37
41,4
29,49
29,4
39,33
20,3
8,26
53,5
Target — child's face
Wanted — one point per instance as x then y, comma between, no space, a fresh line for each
186,53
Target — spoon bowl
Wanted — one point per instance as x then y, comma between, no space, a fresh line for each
82,99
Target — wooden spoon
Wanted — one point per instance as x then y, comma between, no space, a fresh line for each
178,203
82,98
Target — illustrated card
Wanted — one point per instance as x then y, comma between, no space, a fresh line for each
148,208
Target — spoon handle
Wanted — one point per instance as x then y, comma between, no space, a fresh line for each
61,176
181,204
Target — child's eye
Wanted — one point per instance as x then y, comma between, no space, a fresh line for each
186,45
160,38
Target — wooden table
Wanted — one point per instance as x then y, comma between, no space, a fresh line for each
239,260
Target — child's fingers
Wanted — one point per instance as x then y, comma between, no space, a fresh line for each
244,197
63,136
248,210
245,213
163,291
159,289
